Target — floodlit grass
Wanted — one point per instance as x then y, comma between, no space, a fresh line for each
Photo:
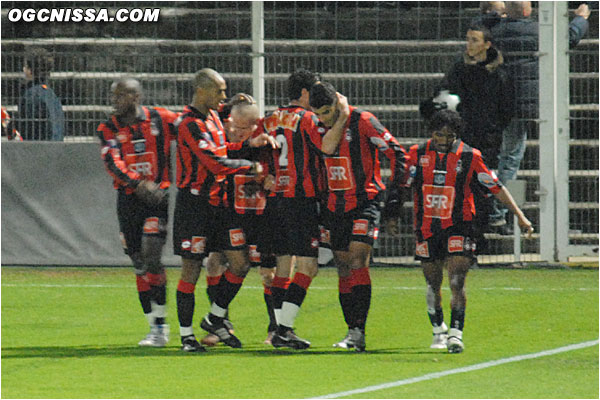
72,333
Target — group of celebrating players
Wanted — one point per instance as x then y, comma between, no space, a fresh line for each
267,192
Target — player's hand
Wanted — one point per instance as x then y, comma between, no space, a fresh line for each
251,188
263,140
269,183
525,225
583,11
150,193
342,106
391,227
258,171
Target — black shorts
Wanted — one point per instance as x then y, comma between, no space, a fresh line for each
199,228
258,236
295,227
358,225
137,219
453,241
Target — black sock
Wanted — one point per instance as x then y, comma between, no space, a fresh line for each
185,308
457,318
272,321
347,308
361,295
437,319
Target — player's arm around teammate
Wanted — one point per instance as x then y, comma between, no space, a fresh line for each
351,211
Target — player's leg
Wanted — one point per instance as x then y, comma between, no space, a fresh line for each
189,242
267,272
434,275
458,266
281,282
305,270
215,264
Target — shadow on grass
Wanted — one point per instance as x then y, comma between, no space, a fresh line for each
174,351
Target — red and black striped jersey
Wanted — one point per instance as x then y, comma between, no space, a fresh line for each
255,202
132,153
202,162
353,172
297,165
441,184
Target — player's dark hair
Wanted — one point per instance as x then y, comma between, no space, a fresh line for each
446,118
487,34
298,80
40,62
322,94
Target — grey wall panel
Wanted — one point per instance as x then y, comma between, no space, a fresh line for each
59,207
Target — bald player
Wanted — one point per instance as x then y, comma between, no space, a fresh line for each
135,143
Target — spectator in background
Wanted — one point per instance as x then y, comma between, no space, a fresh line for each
491,13
486,105
135,144
518,33
40,113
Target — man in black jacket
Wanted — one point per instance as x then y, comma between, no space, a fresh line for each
486,105
517,36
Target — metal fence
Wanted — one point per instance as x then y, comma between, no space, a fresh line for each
385,56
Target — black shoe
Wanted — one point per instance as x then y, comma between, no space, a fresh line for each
229,325
218,328
189,344
289,339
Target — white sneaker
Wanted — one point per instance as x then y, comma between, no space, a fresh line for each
455,343
158,337
439,340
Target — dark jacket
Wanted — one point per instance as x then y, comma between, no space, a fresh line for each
486,100
40,113
518,40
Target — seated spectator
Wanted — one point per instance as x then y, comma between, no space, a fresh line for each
40,112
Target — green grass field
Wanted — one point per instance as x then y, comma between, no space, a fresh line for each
73,333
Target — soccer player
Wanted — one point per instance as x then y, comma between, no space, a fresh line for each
442,172
297,168
243,126
135,144
351,211
203,220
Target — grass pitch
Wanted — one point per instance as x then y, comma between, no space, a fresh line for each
73,333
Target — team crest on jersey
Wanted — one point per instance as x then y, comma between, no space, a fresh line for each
154,129
458,168
348,135
439,177
139,146
122,138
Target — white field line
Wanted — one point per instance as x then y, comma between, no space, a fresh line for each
418,288
474,367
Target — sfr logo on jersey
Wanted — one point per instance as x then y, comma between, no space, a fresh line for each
151,226
360,227
236,237
198,244
422,249
438,201
314,243
282,181
143,163
338,173
455,244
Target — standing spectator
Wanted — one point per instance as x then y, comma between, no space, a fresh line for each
203,220
298,184
491,12
517,36
40,113
442,172
486,105
351,211
135,144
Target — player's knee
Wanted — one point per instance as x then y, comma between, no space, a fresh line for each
138,263
267,275
457,283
